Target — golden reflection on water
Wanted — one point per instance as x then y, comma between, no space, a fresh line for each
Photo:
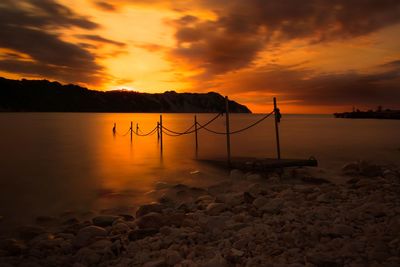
57,161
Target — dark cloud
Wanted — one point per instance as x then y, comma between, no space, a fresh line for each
41,13
309,88
61,73
105,6
27,27
100,39
243,28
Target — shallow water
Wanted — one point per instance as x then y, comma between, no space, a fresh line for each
51,162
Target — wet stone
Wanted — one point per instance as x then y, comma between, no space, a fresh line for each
141,233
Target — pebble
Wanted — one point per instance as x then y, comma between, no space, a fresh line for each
240,222
88,234
215,208
104,220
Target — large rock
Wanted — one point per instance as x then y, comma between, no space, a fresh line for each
363,168
153,207
151,220
104,220
89,234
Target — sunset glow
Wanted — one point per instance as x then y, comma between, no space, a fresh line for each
316,57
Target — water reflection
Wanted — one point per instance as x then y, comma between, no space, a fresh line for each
58,161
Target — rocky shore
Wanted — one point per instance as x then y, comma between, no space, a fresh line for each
298,217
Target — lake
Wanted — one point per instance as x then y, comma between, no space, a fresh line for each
54,162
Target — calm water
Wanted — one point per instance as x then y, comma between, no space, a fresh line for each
52,162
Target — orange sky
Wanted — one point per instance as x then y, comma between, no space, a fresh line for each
316,57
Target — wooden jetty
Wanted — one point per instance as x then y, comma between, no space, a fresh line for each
260,164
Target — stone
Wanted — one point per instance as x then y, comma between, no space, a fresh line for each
328,197
350,169
254,189
321,259
273,206
153,207
156,263
161,185
88,234
46,220
255,177
236,252
216,208
87,256
12,247
216,261
260,201
151,220
248,198
127,217
172,257
141,233
30,231
236,175
120,228
104,220
342,230
71,221
101,245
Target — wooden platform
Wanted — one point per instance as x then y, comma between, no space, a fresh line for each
261,164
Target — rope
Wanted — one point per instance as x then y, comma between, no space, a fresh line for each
188,131
149,133
177,133
124,133
237,131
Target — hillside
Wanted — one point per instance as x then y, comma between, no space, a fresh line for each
45,96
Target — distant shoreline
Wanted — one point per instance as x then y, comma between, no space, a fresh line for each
384,115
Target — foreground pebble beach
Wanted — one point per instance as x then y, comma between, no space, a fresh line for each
299,217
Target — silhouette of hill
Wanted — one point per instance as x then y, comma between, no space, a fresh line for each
45,96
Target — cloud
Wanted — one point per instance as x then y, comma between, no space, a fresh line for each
28,27
306,87
244,28
100,39
105,6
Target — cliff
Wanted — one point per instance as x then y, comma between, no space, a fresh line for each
45,96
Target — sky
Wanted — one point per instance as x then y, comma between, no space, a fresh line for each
315,56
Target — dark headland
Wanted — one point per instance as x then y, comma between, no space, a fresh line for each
45,96
370,114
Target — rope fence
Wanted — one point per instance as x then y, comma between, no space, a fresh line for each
160,129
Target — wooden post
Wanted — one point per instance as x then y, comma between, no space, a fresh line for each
160,127
137,128
131,131
228,137
195,132
278,148
158,131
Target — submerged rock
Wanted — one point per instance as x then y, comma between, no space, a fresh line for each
151,220
153,207
104,220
